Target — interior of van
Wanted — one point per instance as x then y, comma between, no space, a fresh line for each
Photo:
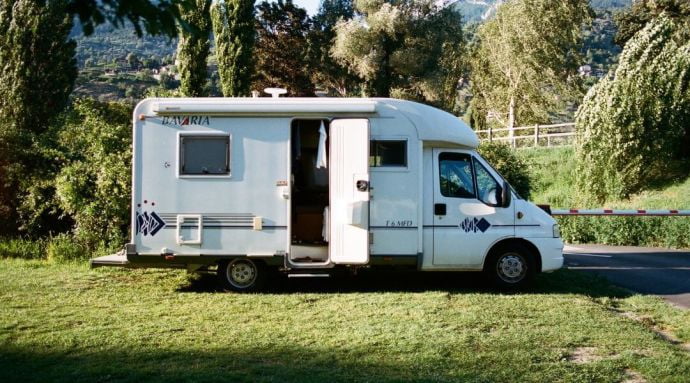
309,194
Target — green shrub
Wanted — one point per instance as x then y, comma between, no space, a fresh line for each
627,231
515,169
22,248
65,248
88,181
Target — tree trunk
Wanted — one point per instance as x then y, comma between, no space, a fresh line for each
511,120
382,82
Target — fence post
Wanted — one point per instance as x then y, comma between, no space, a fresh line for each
491,134
536,135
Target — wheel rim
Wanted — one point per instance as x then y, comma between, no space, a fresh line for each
241,273
511,267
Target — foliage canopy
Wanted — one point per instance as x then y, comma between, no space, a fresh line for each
326,72
635,18
153,16
233,28
525,60
634,126
281,49
398,47
193,47
37,74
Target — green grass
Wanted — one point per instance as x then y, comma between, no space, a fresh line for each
64,322
554,181
22,248
553,175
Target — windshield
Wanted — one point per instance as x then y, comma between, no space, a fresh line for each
501,176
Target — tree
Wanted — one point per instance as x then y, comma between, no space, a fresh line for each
38,63
634,126
525,61
397,46
326,72
193,47
233,27
281,48
37,74
167,81
154,17
642,12
132,60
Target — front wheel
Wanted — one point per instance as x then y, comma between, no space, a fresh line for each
242,275
510,267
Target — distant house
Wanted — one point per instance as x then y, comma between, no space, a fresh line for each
157,72
585,70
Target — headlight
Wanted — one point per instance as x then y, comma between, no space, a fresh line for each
556,231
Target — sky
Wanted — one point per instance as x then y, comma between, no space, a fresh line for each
312,6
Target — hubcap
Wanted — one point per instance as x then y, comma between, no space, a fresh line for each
511,267
241,273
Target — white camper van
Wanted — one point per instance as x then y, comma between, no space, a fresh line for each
309,185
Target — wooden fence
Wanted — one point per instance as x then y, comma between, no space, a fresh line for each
532,136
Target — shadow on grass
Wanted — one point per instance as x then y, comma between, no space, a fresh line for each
559,282
277,364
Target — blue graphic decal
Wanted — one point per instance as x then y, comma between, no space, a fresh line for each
149,224
475,225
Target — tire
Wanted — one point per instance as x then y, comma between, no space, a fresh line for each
510,267
242,275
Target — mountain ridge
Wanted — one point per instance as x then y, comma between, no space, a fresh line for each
479,10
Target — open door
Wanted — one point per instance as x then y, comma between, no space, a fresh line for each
349,191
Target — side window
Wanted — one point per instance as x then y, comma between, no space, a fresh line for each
388,153
204,155
487,187
456,176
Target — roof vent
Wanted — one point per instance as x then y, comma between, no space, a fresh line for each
275,92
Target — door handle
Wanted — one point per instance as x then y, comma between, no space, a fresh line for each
362,185
440,209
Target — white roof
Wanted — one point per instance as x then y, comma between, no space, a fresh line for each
432,124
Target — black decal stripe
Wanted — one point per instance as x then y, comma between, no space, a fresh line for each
446,226
516,225
226,227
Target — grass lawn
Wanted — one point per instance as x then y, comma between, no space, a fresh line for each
61,322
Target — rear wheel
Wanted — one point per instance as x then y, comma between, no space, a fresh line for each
510,266
242,275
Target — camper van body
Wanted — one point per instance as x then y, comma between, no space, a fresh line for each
216,180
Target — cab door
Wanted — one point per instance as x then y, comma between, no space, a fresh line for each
467,215
349,191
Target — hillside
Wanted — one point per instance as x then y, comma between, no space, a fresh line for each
479,10
116,64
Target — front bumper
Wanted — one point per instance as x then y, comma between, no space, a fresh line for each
551,250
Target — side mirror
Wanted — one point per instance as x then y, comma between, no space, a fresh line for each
505,195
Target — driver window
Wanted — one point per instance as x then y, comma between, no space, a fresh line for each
487,187
456,176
